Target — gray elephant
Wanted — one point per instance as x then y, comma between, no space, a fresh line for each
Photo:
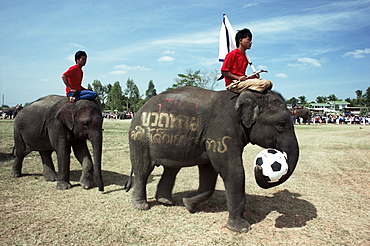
303,113
53,124
192,126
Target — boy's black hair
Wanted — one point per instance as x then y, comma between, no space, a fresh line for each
79,54
242,34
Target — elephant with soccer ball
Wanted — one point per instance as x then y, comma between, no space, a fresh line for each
192,126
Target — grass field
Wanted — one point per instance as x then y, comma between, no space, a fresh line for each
325,202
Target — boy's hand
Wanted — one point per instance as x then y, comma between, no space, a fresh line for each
242,78
254,76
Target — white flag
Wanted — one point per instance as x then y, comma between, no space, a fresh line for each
227,39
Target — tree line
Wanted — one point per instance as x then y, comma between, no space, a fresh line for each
362,100
113,97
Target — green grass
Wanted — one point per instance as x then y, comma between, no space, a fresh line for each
325,202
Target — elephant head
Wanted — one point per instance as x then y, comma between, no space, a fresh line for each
84,120
268,124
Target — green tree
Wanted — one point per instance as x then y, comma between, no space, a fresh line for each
367,97
115,98
321,99
352,102
108,88
132,95
209,79
359,98
358,93
100,90
190,78
292,100
138,105
364,111
332,97
302,100
151,91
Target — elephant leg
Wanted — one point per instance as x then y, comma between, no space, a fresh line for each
165,186
142,168
82,154
20,153
63,154
17,166
207,184
48,166
234,181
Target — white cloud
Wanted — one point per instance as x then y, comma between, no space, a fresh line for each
201,38
301,26
358,53
169,52
250,5
118,72
77,45
305,62
262,67
123,69
165,59
281,75
309,61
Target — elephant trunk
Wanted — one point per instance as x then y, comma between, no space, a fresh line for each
291,148
97,141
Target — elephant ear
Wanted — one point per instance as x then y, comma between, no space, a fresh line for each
66,115
247,108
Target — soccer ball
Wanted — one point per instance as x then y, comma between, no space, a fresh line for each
274,164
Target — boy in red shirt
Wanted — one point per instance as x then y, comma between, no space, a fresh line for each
235,65
72,78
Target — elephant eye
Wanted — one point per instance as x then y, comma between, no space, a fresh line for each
85,124
280,126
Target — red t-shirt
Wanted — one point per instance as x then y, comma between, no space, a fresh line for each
236,63
74,76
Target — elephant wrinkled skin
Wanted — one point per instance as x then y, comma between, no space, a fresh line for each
192,126
52,123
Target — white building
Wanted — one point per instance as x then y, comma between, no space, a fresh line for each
329,106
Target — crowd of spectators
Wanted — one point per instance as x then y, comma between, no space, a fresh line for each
118,115
10,113
340,119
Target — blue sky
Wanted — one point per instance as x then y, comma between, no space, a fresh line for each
311,48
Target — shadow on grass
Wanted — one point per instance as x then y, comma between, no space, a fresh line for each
5,157
294,212
109,178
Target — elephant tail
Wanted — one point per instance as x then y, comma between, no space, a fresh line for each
13,151
129,182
